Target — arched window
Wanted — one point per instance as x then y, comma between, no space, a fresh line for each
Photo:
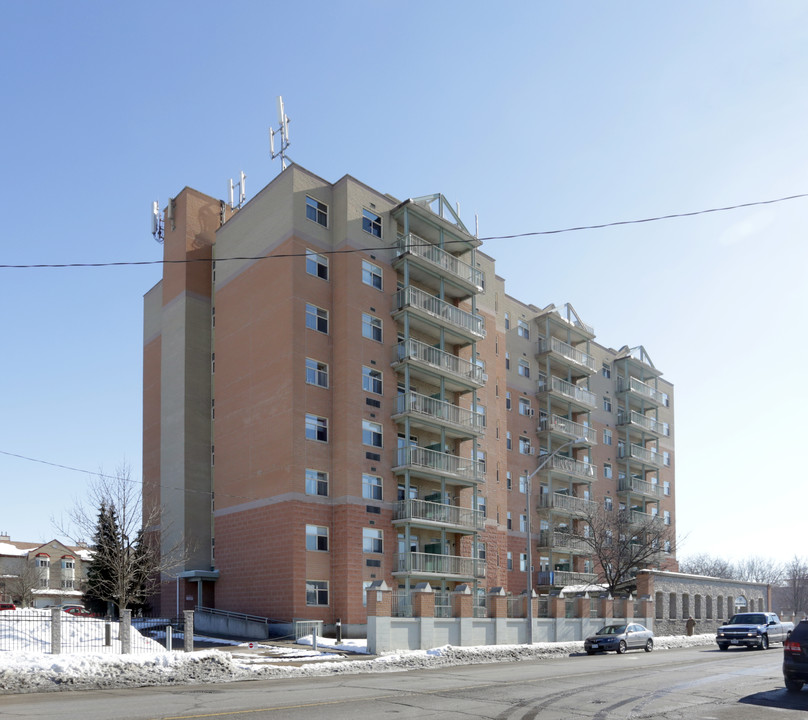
672,606
685,605
709,607
720,609
740,604
697,607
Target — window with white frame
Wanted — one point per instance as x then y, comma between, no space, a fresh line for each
524,445
606,370
316,592
523,562
316,318
523,484
509,560
507,361
507,321
607,404
317,538
316,428
607,471
523,523
508,480
372,223
666,516
371,274
666,458
524,368
666,487
607,437
507,400
316,482
522,329
608,504
316,264
509,521
372,541
508,440
68,564
371,433
316,211
524,407
371,327
43,561
481,551
371,487
371,380
316,373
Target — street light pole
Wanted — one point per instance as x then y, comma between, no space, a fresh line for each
528,566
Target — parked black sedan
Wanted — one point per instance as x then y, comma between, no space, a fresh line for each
619,638
795,658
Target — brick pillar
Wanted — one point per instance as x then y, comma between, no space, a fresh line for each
645,583
498,603
629,604
646,608
380,599
556,606
534,601
607,607
423,601
462,606
582,607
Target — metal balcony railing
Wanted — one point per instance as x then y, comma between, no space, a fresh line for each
640,388
644,455
440,259
647,519
438,513
440,310
439,360
567,503
562,540
567,351
567,390
556,423
639,487
447,565
644,422
570,466
560,578
442,463
414,402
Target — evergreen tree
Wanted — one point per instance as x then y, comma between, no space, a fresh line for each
101,572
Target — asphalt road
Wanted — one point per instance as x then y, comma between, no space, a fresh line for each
697,684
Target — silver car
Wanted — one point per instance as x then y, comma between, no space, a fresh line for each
619,638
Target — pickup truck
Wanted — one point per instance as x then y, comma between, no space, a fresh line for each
757,629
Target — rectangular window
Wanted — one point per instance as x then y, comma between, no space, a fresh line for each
523,561
666,458
524,368
522,330
607,471
372,540
507,401
316,592
509,560
509,521
67,584
371,433
371,327
508,480
371,275
371,487
316,264
608,504
43,562
606,370
372,223
317,211
607,404
524,407
316,318
68,564
666,514
523,484
524,445
523,523
666,487
607,437
316,428
316,538
507,321
507,361
316,482
508,440
371,380
481,551
316,373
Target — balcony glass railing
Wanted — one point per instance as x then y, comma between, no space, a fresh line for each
443,463
568,390
413,402
439,360
556,423
419,563
439,513
440,310
440,259
567,351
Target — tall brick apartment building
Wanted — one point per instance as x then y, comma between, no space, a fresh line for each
337,390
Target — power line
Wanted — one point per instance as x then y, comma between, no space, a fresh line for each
348,251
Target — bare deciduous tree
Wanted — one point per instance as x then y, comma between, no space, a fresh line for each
796,579
705,564
759,570
21,586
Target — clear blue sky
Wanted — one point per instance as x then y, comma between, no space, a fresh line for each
534,115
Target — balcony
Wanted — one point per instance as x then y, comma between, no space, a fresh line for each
561,578
429,262
567,504
643,423
448,566
641,454
642,392
431,514
568,429
563,541
570,466
433,464
567,355
459,375
647,520
424,410
635,486
429,314
564,391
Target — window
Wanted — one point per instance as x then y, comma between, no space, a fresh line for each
523,484
316,538
523,561
607,437
316,428
524,407
67,584
316,592
524,368
508,480
371,327
371,487
316,373
316,211
372,223
481,551
372,540
607,404
316,482
666,458
607,471
509,521
481,505
510,560
507,321
667,546
316,318
507,361
371,275
666,487
316,264
666,515
43,561
68,564
507,401
371,380
608,504
523,523
371,433
522,330
606,370
524,445
508,440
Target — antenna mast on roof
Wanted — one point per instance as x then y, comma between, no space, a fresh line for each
156,222
283,131
242,192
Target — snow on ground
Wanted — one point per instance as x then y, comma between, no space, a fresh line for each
23,671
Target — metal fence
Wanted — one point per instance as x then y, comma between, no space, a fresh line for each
304,628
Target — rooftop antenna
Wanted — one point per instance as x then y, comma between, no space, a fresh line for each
242,192
283,131
157,222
